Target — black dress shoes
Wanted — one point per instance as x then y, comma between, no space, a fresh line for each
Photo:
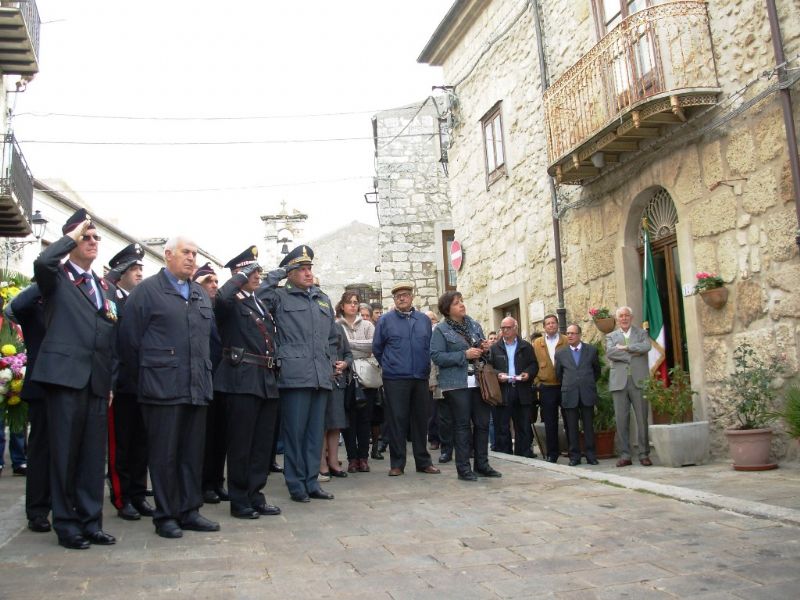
275,468
222,493
100,538
247,513
211,497
488,472
552,459
592,461
320,494
300,498
74,542
337,472
39,525
468,476
20,470
169,529
128,513
445,457
574,462
267,509
143,507
376,453
198,522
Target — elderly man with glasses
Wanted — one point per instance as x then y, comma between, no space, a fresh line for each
402,346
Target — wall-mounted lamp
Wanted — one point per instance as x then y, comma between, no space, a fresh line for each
598,160
725,182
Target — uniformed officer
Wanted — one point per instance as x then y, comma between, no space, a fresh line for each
307,339
127,438
246,378
74,366
164,335
213,480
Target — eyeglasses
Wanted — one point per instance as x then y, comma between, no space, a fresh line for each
508,327
399,295
86,238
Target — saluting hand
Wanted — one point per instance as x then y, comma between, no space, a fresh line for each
77,233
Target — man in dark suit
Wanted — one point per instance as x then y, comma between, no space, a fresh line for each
164,344
515,375
127,438
27,310
246,378
74,367
578,369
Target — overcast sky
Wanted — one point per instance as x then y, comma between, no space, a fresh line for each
208,60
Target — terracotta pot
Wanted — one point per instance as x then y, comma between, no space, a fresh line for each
604,443
715,297
749,449
606,325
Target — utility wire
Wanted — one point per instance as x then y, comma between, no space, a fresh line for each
220,143
202,118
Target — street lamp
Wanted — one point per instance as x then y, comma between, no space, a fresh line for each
38,224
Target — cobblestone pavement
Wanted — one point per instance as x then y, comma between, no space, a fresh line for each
538,532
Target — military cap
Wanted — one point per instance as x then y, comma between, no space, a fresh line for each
302,255
247,257
202,272
402,285
78,217
130,255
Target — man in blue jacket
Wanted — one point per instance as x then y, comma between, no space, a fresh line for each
402,346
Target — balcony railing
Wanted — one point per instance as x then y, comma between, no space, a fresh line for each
16,190
19,37
638,78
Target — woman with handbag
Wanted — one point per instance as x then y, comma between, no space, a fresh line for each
335,416
457,343
361,399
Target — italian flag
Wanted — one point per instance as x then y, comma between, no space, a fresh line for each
652,317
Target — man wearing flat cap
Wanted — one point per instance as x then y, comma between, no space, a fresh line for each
74,367
213,480
401,344
127,438
164,342
307,344
246,378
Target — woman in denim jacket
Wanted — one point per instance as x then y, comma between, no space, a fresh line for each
455,342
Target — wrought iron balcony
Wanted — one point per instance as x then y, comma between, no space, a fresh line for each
16,191
19,37
648,73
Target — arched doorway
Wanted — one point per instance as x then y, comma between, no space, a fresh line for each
662,217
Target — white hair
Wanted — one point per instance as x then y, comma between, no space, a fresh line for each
173,242
622,309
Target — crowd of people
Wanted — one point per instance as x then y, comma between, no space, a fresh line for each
197,384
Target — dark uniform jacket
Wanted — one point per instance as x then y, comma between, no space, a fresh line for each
578,382
123,379
78,347
28,310
307,333
242,328
524,362
164,342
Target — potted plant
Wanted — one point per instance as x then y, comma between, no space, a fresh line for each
752,386
603,319
711,289
605,423
677,443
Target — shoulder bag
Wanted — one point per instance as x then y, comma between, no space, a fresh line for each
368,372
489,384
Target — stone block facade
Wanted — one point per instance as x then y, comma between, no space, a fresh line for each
413,205
731,189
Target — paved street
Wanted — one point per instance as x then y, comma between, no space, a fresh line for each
537,532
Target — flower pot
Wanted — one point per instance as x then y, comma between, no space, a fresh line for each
715,297
604,443
681,444
605,325
749,449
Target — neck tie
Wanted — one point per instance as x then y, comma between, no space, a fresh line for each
88,286
576,354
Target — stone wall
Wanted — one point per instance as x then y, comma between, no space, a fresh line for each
412,201
742,229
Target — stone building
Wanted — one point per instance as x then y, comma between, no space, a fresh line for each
413,205
574,119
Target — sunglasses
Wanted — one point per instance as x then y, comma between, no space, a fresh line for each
86,238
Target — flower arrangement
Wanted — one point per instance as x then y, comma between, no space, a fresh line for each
600,313
707,281
13,360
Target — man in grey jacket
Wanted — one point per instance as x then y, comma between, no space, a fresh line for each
307,342
626,351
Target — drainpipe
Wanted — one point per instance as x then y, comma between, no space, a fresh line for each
786,105
561,310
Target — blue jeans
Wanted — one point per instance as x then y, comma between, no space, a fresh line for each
16,446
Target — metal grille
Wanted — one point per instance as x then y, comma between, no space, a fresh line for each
661,216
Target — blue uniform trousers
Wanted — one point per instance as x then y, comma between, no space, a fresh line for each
302,426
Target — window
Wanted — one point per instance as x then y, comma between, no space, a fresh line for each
608,13
450,274
494,144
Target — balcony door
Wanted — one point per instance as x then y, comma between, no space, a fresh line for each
634,72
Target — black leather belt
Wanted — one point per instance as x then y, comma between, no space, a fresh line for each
237,357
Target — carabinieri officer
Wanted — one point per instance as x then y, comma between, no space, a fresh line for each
246,378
